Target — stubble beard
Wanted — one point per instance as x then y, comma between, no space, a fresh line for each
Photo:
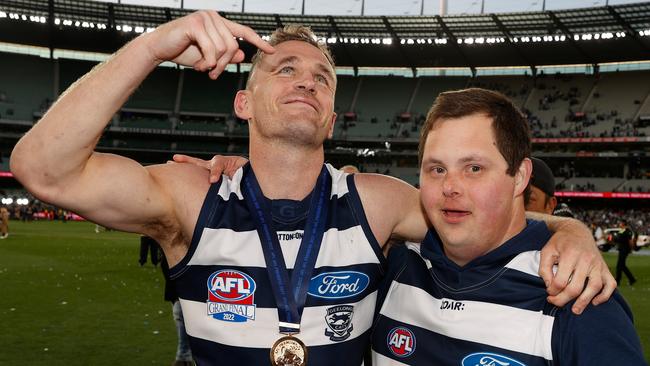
306,134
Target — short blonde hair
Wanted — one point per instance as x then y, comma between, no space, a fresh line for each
292,32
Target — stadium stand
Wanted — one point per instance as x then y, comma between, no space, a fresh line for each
188,112
24,93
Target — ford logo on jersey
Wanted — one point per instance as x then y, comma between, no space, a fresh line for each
338,285
231,296
489,359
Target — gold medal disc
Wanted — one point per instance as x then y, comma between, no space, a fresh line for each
288,351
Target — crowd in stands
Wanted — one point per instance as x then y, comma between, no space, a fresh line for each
637,219
37,210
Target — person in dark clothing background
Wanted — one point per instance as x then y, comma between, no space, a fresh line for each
183,351
625,240
147,244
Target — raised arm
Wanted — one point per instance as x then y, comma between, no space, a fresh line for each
56,159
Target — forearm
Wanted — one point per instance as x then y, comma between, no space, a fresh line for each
59,146
556,223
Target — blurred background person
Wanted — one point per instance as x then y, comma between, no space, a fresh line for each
147,245
4,223
542,189
625,241
183,351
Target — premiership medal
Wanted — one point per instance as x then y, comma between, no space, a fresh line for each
288,351
290,292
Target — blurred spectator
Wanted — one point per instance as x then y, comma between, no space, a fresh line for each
625,240
4,223
183,351
147,244
542,189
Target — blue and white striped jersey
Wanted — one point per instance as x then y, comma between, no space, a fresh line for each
227,300
492,311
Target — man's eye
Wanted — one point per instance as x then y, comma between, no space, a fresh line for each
286,70
475,168
321,79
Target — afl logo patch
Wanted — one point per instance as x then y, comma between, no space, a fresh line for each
231,296
401,342
489,359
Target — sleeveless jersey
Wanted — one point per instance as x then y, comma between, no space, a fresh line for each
227,300
492,311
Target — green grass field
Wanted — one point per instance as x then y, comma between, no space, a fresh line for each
73,297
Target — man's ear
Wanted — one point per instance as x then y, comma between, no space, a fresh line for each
242,105
552,203
522,176
330,133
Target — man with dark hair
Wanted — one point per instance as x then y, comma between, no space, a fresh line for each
469,294
245,253
542,189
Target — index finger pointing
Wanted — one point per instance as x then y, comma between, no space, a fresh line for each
249,35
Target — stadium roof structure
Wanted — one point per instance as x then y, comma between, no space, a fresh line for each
581,36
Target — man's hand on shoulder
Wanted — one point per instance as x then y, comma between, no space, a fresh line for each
581,274
218,165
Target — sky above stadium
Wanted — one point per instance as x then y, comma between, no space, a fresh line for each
376,7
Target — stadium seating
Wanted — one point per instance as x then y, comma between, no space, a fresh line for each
592,184
26,86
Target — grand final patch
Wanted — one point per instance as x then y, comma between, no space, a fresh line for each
231,296
339,322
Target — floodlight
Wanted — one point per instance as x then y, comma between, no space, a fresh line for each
387,41
3,14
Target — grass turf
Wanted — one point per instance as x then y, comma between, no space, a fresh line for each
73,297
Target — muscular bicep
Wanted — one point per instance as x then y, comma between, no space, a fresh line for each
392,207
117,192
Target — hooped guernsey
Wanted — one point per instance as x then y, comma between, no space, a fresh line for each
226,294
492,311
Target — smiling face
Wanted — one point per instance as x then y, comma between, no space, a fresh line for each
472,202
290,96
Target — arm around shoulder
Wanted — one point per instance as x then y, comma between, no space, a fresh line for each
392,207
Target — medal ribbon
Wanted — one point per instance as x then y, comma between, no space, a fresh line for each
290,293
